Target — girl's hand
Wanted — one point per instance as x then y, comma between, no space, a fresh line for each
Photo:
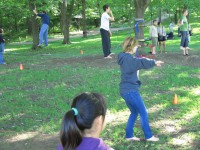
159,63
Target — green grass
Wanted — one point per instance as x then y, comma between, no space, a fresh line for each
36,98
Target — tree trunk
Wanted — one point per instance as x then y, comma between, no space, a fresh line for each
84,19
66,24
160,15
140,7
64,21
34,27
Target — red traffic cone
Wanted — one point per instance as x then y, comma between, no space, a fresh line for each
175,101
21,67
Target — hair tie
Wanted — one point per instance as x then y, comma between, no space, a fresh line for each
75,111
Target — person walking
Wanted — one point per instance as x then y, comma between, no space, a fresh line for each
129,87
161,37
44,28
154,36
105,30
184,33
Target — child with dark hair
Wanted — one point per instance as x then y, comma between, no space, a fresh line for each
2,45
129,88
105,31
83,124
162,37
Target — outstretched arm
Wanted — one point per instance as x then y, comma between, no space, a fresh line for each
159,63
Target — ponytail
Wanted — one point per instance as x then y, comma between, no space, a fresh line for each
70,129
84,109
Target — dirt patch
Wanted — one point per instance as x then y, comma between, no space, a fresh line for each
171,58
31,141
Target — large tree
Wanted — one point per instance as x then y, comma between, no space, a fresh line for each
84,18
140,8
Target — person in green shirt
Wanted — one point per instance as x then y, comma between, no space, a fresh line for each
184,33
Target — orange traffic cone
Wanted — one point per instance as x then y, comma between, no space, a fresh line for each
81,51
175,101
21,67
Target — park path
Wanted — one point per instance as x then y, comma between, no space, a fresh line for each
76,34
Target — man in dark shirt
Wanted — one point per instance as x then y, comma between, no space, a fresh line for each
44,28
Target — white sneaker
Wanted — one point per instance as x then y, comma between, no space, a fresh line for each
133,139
112,54
108,57
153,139
187,48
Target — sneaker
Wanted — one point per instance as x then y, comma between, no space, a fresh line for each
112,54
133,139
153,139
39,45
108,57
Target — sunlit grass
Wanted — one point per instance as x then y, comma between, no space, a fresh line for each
36,98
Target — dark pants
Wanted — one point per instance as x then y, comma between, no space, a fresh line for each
184,39
105,38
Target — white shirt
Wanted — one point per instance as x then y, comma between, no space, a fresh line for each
105,23
171,26
153,31
162,31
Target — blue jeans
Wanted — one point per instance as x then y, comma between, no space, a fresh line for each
44,34
2,45
184,39
136,105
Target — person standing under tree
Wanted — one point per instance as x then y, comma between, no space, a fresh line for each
44,28
105,30
2,45
154,36
161,37
184,33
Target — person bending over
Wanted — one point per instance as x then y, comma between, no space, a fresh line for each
44,28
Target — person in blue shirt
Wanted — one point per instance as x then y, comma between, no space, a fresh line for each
2,45
44,28
130,85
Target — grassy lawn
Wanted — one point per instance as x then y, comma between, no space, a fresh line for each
36,98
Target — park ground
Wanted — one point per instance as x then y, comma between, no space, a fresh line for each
34,100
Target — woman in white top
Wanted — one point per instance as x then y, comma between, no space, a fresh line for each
154,36
161,37
105,30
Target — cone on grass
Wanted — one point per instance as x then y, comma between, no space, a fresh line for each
21,67
175,101
81,52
